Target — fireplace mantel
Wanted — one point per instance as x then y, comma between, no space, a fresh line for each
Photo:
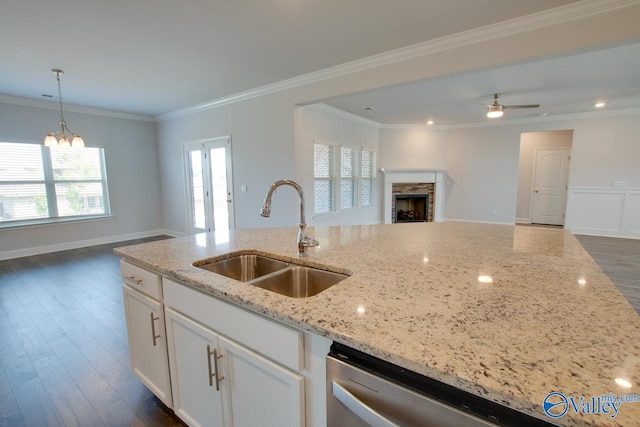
433,176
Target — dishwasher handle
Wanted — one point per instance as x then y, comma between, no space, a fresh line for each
359,408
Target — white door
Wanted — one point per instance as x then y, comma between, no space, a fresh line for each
259,391
195,375
550,186
208,176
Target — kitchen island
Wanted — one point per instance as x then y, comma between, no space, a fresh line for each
507,313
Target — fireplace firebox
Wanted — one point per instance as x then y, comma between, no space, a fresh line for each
411,207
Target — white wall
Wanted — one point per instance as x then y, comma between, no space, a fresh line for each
417,147
132,173
482,170
529,143
605,149
317,123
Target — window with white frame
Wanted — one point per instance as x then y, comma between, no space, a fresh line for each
367,176
344,174
348,177
324,182
42,184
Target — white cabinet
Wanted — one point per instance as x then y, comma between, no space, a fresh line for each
195,373
260,392
267,373
217,382
147,342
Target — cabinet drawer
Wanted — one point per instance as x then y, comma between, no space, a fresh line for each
276,341
141,279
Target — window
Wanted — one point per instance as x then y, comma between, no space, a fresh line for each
367,175
324,185
349,175
40,184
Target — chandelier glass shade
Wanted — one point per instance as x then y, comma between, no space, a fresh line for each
64,137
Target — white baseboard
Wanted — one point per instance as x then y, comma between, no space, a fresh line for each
18,253
479,222
523,220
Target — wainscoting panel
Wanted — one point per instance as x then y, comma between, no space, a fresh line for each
633,217
611,212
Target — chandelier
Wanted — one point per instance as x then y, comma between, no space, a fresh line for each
65,134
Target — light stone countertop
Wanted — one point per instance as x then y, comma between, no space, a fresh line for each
414,299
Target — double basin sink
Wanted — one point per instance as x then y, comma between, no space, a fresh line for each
292,280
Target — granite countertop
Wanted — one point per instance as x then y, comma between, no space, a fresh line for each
550,321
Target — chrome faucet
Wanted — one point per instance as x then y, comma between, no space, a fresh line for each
304,241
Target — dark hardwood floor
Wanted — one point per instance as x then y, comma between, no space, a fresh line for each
64,354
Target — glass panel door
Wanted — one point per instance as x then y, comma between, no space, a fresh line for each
209,185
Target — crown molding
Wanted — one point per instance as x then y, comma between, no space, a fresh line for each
559,15
344,114
50,105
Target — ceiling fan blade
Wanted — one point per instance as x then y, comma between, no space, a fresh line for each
516,107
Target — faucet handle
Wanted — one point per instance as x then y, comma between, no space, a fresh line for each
309,241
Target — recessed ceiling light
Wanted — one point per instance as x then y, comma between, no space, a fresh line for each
599,104
430,122
485,279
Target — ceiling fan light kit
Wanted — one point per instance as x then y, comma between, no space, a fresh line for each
50,140
496,109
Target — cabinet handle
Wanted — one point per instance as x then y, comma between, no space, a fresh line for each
133,279
215,363
213,373
153,328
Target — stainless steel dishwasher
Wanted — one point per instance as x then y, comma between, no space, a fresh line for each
365,391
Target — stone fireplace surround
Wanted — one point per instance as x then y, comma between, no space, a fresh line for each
414,176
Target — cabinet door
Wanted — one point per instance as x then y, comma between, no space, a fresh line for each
195,382
258,391
147,342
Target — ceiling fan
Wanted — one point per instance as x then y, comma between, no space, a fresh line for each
496,109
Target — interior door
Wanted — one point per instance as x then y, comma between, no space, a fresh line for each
550,186
208,174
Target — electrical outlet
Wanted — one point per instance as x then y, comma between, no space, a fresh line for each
494,212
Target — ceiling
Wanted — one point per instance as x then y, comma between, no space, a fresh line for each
565,85
153,57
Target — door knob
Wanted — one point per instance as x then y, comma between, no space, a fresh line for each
535,191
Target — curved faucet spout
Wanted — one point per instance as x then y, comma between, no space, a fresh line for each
304,241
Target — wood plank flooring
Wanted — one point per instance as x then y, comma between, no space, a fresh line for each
64,354
620,261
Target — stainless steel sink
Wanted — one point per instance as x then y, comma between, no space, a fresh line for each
299,281
243,267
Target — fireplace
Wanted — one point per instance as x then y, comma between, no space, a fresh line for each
411,207
412,189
